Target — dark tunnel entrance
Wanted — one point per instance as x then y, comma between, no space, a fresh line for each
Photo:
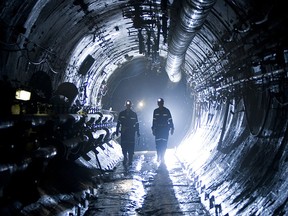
142,83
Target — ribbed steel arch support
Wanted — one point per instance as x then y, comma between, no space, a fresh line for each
192,16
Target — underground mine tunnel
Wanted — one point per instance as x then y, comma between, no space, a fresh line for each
68,66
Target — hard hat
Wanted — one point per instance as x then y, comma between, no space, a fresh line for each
160,100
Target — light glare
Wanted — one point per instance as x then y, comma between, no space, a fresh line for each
141,104
23,95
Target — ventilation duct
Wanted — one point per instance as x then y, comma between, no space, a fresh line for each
192,17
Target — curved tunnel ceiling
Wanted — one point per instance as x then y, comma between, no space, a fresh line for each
57,36
232,56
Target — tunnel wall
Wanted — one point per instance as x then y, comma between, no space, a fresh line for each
237,150
237,155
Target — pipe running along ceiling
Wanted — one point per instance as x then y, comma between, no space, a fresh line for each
223,42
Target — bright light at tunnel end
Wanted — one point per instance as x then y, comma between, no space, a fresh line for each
140,104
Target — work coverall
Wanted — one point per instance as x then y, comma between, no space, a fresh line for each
161,125
128,125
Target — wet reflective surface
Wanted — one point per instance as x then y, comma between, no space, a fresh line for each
147,188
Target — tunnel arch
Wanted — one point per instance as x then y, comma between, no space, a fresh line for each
139,81
235,69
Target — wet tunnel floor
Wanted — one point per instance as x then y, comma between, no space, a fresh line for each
147,188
